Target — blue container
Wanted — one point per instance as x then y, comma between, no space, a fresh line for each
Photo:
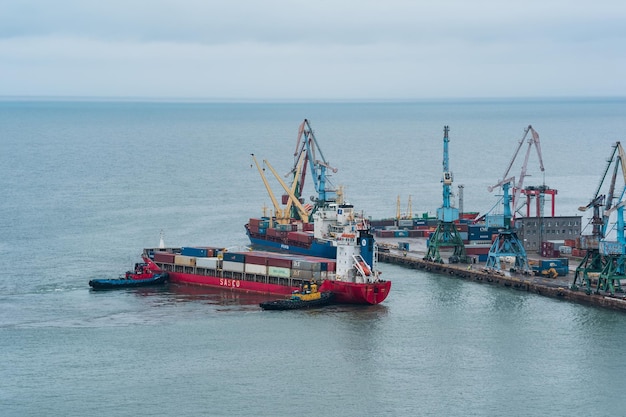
401,233
234,257
195,252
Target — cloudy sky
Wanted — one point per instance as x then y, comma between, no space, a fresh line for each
313,49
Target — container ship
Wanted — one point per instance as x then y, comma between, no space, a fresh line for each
352,275
317,238
296,227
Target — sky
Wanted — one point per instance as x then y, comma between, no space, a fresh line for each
313,50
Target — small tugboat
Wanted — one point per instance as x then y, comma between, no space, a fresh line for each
142,276
307,297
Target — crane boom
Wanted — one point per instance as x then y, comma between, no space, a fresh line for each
307,145
278,212
304,215
517,187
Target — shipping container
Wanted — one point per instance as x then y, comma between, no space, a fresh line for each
185,260
193,251
286,227
233,266
302,237
566,250
164,257
382,223
405,223
234,257
401,233
256,258
570,242
276,271
255,269
278,261
210,263
301,274
306,265
262,222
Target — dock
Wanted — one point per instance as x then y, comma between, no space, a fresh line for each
558,288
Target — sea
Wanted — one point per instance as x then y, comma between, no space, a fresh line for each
87,184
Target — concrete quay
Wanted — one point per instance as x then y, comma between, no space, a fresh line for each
558,287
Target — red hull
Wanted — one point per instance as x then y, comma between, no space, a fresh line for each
345,292
352,293
234,284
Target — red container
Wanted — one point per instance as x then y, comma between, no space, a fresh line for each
302,237
164,257
256,259
278,261
276,233
255,222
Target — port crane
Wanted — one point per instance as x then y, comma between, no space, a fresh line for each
409,210
307,150
446,234
283,215
533,140
605,259
507,245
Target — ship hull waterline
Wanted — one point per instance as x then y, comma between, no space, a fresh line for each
344,292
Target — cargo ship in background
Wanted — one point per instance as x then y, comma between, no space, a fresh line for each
296,226
326,242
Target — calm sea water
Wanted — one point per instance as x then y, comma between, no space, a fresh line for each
86,185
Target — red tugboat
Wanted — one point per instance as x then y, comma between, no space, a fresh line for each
142,276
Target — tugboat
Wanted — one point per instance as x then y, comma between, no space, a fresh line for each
142,276
308,297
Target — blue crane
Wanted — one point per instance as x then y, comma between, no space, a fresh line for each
605,259
446,235
308,149
507,246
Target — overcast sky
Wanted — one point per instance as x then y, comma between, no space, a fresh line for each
313,49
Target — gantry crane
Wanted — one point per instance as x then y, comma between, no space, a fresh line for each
307,150
532,140
604,259
446,234
507,245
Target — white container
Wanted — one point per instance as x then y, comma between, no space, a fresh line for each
209,263
277,271
255,269
233,266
